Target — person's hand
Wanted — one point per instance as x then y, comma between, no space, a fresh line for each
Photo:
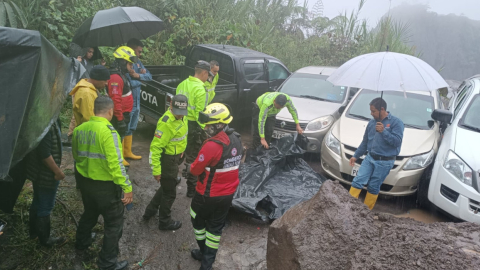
352,161
264,143
133,74
157,177
79,58
182,155
59,175
379,127
143,71
102,62
127,198
299,129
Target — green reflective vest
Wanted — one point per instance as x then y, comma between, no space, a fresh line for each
97,150
195,91
170,138
210,86
267,109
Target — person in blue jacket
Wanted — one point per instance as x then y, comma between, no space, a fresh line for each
135,76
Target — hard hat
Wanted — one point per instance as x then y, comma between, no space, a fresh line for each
126,53
215,113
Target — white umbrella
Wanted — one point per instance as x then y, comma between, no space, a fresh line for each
388,71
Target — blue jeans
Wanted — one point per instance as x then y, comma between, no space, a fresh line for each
43,199
132,126
372,173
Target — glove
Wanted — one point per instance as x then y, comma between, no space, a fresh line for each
121,127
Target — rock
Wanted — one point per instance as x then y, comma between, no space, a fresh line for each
336,231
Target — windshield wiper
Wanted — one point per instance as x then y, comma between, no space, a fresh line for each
412,126
360,116
314,97
471,127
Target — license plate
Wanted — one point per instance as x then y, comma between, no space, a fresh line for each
355,169
278,134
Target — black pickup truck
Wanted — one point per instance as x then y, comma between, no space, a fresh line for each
244,75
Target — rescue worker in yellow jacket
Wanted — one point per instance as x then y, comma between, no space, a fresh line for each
97,150
166,153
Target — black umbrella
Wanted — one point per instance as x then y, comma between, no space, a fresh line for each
115,26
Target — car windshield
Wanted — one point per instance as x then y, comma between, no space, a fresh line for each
414,110
471,119
313,86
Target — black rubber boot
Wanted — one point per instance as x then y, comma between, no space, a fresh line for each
32,229
208,258
173,225
121,265
196,254
43,229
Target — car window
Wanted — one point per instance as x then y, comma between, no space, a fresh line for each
227,72
276,72
254,71
471,116
414,110
313,86
461,98
439,100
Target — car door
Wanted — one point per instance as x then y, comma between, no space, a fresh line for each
254,83
277,74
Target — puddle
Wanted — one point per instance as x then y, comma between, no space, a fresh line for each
423,216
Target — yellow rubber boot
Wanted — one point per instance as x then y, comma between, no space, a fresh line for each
125,163
370,200
127,149
355,192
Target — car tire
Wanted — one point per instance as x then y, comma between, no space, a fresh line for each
423,185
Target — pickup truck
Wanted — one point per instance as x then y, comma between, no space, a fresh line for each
244,75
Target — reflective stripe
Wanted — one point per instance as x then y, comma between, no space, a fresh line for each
192,213
206,98
200,237
150,161
179,139
127,94
293,108
223,170
264,118
213,237
211,89
211,244
200,234
192,107
120,160
202,231
90,155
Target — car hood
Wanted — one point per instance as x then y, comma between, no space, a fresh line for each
415,141
466,142
309,109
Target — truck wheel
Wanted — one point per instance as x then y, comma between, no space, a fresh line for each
423,185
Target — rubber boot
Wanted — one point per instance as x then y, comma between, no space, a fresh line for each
355,192
125,163
208,258
370,200
32,229
127,149
197,254
43,227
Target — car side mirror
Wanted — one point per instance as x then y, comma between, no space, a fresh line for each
441,115
341,109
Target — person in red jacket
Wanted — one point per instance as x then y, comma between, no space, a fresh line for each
217,169
119,90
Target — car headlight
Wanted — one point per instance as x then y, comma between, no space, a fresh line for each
458,168
332,143
420,161
319,123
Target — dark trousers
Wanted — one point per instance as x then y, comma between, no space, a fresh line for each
166,194
195,138
43,199
121,131
101,198
208,215
269,126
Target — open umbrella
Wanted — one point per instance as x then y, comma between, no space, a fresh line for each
388,71
115,26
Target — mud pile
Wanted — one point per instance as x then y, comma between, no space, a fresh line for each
335,231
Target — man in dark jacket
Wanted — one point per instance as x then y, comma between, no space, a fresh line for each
43,169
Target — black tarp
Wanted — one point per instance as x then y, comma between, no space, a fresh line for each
274,180
36,79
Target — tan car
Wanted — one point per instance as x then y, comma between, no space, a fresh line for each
419,146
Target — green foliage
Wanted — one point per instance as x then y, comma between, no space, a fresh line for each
11,15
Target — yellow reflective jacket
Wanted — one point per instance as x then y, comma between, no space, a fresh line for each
97,150
194,89
210,86
170,138
267,109
85,94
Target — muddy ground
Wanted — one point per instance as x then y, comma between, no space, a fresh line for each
243,244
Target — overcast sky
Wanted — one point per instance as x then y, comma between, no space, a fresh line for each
374,9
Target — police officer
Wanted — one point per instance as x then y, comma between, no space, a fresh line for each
217,169
166,151
97,150
212,81
194,89
265,109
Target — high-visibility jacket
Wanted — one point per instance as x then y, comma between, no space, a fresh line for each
97,150
194,89
170,138
85,94
267,109
210,86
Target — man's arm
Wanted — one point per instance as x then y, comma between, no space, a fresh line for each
85,104
209,155
144,76
159,142
293,111
44,151
114,156
363,146
394,136
262,119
